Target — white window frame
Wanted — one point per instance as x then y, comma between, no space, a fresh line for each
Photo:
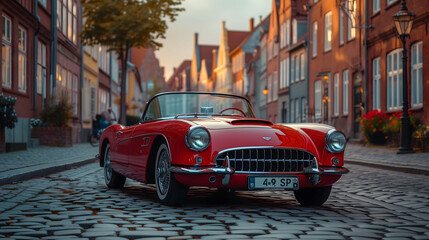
341,23
303,109
302,70
287,32
394,80
318,99
351,31
294,31
376,78
328,32
270,88
314,48
22,59
375,6
41,68
293,68
297,111
275,86
345,92
336,93
287,67
417,74
6,52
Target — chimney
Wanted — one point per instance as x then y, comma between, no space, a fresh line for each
195,39
251,22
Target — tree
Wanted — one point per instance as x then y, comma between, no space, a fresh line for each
124,24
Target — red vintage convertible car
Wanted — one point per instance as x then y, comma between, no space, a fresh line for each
214,140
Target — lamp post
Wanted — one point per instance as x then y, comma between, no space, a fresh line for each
404,22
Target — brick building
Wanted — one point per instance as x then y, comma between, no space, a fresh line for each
180,80
273,38
385,63
201,66
336,64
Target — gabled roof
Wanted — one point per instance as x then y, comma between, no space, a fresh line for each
235,38
182,66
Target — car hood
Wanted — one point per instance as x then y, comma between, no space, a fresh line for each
239,132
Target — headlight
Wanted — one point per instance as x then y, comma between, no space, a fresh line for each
335,141
197,138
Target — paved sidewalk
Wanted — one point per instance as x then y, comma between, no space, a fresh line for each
43,160
386,158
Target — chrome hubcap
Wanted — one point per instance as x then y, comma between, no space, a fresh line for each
163,173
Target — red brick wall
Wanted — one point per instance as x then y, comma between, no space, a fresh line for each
53,136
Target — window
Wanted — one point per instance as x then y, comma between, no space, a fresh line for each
336,93
270,50
288,32
297,111
328,31
284,73
22,59
394,80
75,94
303,110
41,68
376,83
317,99
275,84
302,68
270,89
341,33
416,74
6,65
284,112
351,31
294,31
345,92
390,1
104,60
67,19
282,35
43,2
314,49
293,69
92,99
287,72
292,111
376,6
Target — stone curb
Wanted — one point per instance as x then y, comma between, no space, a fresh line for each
44,171
404,169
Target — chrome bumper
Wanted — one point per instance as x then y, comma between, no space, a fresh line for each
229,170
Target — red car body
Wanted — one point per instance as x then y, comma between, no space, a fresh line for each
240,148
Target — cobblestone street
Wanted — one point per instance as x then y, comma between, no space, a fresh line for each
365,204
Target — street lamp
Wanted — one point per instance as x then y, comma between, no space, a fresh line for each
404,22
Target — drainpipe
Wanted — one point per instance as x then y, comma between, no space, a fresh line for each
35,59
365,83
53,47
81,81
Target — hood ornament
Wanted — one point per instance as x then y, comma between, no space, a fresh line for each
266,138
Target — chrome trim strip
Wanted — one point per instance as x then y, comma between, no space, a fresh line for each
229,171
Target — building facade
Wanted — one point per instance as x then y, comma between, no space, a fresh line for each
385,63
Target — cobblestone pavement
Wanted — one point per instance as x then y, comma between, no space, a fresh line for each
365,204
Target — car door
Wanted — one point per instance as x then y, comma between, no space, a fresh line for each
120,152
140,150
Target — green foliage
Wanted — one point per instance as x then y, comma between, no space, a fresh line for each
56,113
123,24
8,116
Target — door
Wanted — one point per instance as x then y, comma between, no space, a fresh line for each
357,109
119,151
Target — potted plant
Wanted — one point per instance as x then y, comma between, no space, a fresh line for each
54,130
8,117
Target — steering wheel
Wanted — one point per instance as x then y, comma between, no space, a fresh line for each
236,109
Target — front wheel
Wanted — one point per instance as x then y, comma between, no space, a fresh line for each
111,177
169,190
312,196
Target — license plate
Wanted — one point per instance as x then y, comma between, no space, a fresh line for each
289,183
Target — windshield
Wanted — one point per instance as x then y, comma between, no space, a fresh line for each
185,105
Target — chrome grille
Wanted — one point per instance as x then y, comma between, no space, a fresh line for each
267,159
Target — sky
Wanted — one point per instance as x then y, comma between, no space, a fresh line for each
205,17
